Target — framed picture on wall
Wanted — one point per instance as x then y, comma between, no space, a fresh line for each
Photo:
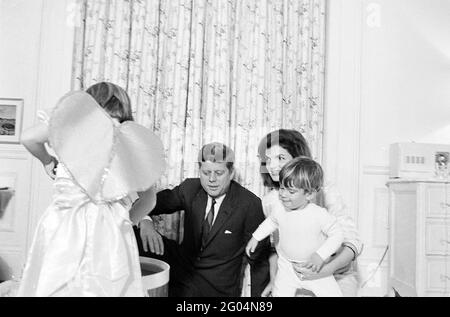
11,111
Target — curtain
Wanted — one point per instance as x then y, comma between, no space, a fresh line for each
199,71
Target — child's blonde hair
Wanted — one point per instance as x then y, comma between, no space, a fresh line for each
302,173
113,99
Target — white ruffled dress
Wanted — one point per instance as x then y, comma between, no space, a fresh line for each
84,244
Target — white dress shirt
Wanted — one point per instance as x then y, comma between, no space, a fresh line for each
303,232
219,201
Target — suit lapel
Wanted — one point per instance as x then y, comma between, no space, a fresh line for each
198,214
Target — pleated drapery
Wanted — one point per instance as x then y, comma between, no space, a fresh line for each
199,71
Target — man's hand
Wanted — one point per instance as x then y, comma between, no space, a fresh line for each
151,238
251,246
314,263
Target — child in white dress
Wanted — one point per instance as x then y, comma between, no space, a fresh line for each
84,243
308,234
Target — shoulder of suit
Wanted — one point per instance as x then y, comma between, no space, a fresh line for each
191,181
191,185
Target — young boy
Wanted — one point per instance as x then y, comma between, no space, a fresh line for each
308,233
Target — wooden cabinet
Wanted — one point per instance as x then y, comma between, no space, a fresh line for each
419,237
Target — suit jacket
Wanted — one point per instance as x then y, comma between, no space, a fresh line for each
218,265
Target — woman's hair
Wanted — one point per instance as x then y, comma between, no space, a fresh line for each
113,99
290,140
302,173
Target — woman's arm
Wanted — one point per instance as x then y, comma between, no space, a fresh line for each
145,203
273,262
333,202
331,227
267,202
273,268
352,245
342,259
34,139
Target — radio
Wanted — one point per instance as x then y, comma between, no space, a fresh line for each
419,160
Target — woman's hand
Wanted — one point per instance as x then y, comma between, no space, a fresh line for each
314,263
342,259
34,140
306,274
50,167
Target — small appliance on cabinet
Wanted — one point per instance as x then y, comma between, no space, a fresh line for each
419,219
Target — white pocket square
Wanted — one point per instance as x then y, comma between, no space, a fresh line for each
227,232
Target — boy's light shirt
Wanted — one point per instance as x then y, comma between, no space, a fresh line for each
303,232
330,199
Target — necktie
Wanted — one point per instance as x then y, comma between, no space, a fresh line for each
207,223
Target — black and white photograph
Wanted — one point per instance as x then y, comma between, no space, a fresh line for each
225,149
10,119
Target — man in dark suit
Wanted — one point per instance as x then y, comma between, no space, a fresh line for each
220,217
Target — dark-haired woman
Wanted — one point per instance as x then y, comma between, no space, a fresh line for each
275,150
